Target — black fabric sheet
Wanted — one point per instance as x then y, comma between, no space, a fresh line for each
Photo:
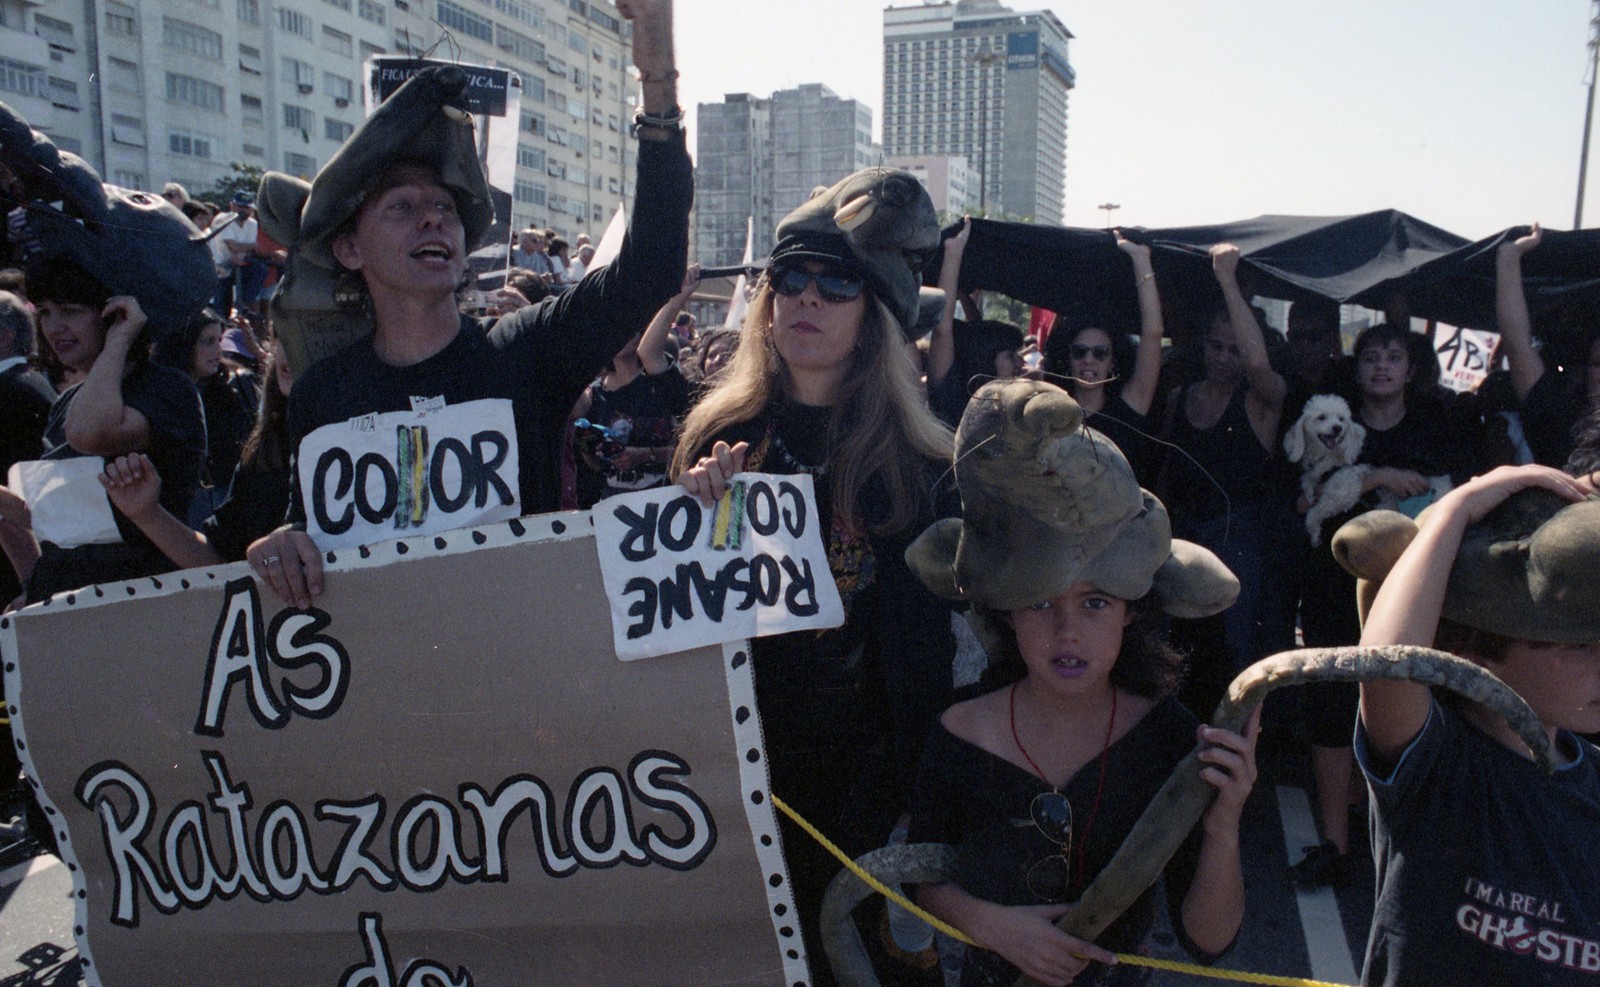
1366,259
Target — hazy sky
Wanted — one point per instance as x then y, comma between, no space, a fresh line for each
1465,113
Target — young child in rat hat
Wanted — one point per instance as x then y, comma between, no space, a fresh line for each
1488,871
1069,566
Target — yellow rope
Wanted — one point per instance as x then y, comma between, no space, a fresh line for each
1132,959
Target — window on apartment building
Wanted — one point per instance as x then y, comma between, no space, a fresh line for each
22,78
127,130
371,10
530,157
190,91
121,19
127,179
298,118
250,60
294,22
249,11
338,42
303,165
343,5
58,34
518,44
64,95
531,193
250,110
337,130
302,74
533,123
123,76
189,144
458,18
533,88
523,11
341,89
191,38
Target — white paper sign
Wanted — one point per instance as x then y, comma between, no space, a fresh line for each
68,504
403,473
1465,356
680,575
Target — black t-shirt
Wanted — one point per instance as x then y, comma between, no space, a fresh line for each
25,400
177,447
1553,406
1487,868
540,357
231,401
1427,440
651,405
168,401
256,504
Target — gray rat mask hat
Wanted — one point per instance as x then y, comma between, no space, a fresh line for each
422,122
1048,503
131,242
880,223
1527,570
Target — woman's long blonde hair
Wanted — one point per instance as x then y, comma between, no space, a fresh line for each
880,423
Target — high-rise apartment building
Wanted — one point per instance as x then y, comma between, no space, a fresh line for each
977,79
732,183
176,90
758,159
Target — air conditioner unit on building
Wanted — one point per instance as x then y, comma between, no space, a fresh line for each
304,87
340,102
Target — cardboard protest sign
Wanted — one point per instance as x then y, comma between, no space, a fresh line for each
681,575
441,774
1466,356
431,469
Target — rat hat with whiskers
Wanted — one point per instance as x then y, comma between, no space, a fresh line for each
1048,502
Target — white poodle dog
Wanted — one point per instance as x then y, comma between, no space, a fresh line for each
1326,440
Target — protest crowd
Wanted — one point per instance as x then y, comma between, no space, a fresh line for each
1250,460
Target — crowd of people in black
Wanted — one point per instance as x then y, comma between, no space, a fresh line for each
611,387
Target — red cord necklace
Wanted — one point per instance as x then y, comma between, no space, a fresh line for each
1100,786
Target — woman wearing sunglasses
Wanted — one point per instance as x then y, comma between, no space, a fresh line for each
1112,381
823,384
1038,781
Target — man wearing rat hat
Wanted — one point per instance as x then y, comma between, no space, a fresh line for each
387,225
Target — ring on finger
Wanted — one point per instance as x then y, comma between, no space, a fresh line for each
269,560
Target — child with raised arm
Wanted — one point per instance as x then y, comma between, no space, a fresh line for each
1488,868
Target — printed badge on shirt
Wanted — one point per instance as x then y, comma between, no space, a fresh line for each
403,473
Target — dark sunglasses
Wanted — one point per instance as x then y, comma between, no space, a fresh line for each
1079,351
833,284
1052,815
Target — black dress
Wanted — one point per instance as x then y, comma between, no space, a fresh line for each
978,802
844,712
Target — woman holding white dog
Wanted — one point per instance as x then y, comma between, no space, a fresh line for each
1414,447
